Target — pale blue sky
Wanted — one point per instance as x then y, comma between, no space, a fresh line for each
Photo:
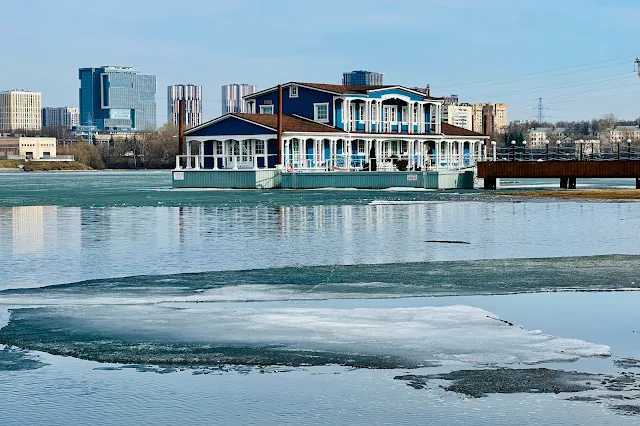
492,50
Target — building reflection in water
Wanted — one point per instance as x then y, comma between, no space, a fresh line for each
28,227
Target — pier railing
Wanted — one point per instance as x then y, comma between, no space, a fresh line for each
564,153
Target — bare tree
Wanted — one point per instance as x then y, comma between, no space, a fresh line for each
607,124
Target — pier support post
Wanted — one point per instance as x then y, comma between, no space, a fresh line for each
564,183
637,183
572,183
490,183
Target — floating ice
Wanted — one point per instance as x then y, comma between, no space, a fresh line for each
408,336
367,281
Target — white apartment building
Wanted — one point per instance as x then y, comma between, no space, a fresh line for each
458,115
232,97
192,96
536,137
20,110
60,117
620,134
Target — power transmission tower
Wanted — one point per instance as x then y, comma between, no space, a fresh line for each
540,111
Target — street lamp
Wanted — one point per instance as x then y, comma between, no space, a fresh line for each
483,149
524,150
513,150
558,143
629,149
618,140
493,144
546,142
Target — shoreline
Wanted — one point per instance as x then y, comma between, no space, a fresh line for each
576,194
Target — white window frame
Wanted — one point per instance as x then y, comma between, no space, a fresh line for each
292,89
405,114
362,111
219,148
361,147
264,108
259,148
315,112
374,112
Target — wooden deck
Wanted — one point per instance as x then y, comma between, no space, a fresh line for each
566,171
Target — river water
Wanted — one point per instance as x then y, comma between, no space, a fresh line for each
124,301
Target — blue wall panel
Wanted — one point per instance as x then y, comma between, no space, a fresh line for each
302,105
231,126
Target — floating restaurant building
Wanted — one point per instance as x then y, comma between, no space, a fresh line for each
309,135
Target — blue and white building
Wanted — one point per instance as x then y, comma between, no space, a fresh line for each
329,127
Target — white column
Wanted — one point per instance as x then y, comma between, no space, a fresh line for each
202,154
285,158
189,155
215,155
347,113
437,154
253,154
224,154
266,153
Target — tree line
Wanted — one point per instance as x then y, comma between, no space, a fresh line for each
146,150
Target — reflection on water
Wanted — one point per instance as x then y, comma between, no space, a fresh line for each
72,244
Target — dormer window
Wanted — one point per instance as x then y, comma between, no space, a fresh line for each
293,91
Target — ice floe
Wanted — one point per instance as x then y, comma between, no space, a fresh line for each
425,334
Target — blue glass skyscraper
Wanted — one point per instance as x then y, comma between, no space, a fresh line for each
362,78
117,99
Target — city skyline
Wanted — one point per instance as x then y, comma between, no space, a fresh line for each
576,80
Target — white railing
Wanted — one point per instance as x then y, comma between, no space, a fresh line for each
336,162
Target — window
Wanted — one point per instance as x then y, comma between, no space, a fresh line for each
218,147
321,112
374,112
293,91
266,109
361,147
362,112
259,147
405,114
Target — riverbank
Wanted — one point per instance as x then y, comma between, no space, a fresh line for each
582,194
41,166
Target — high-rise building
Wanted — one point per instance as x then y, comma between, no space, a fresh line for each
20,110
489,118
192,96
60,117
117,99
460,115
362,78
232,95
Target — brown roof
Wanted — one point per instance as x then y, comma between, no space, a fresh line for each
451,130
339,88
357,90
290,123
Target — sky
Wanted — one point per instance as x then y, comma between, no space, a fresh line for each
577,55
